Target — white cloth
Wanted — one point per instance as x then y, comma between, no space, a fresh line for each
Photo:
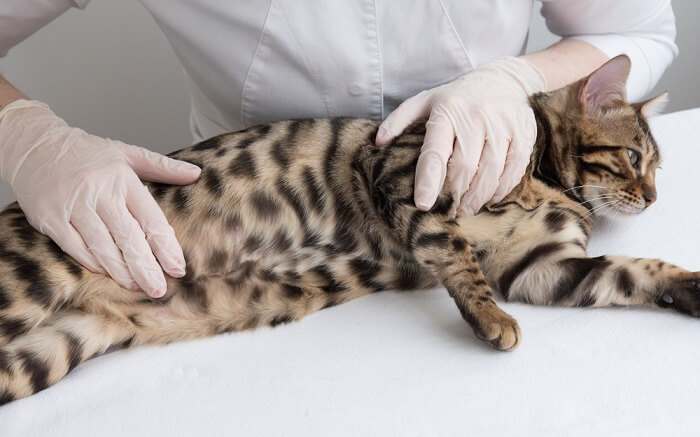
406,363
258,61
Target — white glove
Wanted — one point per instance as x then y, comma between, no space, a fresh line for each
479,134
84,192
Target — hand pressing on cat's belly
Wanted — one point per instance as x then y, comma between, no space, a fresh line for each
85,193
479,134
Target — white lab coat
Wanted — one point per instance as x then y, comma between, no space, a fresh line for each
249,62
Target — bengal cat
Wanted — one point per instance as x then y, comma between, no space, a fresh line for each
295,216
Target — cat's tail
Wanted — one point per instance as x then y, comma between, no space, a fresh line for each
41,357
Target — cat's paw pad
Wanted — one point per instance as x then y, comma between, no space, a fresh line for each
682,293
497,329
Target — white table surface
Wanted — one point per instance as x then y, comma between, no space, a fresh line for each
406,364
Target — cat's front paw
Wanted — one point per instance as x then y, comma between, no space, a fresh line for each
495,327
682,293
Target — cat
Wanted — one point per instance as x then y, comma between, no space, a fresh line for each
295,216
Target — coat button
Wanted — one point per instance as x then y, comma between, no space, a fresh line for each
354,89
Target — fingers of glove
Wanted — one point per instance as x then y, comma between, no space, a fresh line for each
465,158
154,167
409,111
159,234
129,236
485,182
70,241
431,168
101,244
518,156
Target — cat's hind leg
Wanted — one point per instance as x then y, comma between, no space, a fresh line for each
251,298
29,292
41,357
36,276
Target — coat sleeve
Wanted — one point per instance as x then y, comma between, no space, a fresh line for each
21,18
645,30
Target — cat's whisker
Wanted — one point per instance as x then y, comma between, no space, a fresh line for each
607,196
604,204
599,207
578,189
618,210
563,213
600,216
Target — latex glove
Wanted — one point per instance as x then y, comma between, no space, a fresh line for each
480,133
84,192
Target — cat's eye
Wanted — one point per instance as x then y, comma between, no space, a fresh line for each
634,157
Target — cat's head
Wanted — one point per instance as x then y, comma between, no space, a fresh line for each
610,158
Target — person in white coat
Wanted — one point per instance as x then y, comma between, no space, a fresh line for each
458,63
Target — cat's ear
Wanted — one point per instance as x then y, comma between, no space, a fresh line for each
605,88
653,106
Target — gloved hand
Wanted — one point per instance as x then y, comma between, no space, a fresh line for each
84,192
480,133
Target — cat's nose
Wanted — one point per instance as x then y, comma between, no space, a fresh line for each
649,193
649,199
